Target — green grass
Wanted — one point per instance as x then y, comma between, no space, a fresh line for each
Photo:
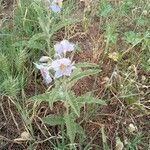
121,27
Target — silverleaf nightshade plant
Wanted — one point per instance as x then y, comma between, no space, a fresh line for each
65,74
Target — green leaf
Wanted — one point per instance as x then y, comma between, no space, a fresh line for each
54,120
104,9
86,64
80,74
73,103
127,6
132,38
71,127
20,44
44,26
56,27
50,97
4,64
36,37
80,130
10,86
89,99
35,45
21,59
111,33
41,97
32,43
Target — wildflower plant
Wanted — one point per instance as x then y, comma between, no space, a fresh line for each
65,73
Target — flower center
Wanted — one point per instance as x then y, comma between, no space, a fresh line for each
62,67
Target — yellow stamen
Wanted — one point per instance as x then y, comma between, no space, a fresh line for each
62,67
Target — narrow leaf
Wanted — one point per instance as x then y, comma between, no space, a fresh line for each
89,99
40,97
73,103
82,74
50,97
86,64
36,37
54,120
62,24
71,127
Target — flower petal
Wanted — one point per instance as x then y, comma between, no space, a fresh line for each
67,46
64,46
55,65
65,61
58,74
67,71
58,48
44,72
55,8
45,75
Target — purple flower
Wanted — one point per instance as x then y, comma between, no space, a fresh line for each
62,67
56,5
63,47
44,72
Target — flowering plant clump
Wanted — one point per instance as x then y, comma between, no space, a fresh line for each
68,72
62,66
